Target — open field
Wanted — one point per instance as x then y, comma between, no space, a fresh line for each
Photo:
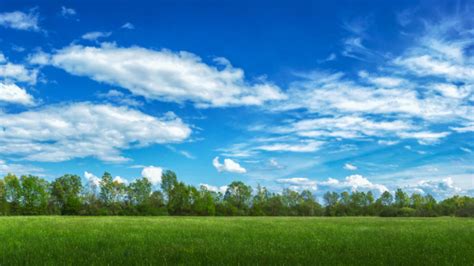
245,240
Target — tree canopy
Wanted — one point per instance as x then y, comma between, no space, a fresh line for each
66,195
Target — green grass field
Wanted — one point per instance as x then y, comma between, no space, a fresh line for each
206,240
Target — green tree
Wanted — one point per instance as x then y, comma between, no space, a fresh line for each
202,201
3,199
13,193
65,191
138,195
34,195
358,203
275,206
238,196
308,205
179,199
106,189
386,199
331,199
168,181
156,204
370,204
259,201
401,198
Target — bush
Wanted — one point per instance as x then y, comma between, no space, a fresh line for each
406,212
389,212
466,211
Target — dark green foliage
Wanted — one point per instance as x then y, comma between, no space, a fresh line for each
3,199
237,197
168,181
66,194
34,195
31,195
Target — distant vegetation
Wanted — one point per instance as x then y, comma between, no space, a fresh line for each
31,195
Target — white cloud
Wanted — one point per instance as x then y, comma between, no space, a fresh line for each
453,91
221,189
166,75
353,183
388,142
330,94
349,166
468,127
63,132
153,174
298,183
39,58
18,73
229,166
19,169
303,146
11,93
417,94
95,35
128,26
92,179
19,20
120,180
67,12
275,164
119,98
382,81
424,137
439,189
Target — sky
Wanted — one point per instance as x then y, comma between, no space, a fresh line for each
318,95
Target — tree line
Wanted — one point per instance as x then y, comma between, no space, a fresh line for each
66,195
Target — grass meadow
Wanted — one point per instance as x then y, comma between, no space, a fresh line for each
230,240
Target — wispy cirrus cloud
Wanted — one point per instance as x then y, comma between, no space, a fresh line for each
67,12
96,35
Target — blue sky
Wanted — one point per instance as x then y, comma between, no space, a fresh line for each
334,95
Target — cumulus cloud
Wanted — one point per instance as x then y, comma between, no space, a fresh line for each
95,35
120,180
439,189
221,189
39,58
92,179
17,73
298,183
166,75
229,165
352,183
153,174
96,181
19,20
349,166
63,132
11,93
